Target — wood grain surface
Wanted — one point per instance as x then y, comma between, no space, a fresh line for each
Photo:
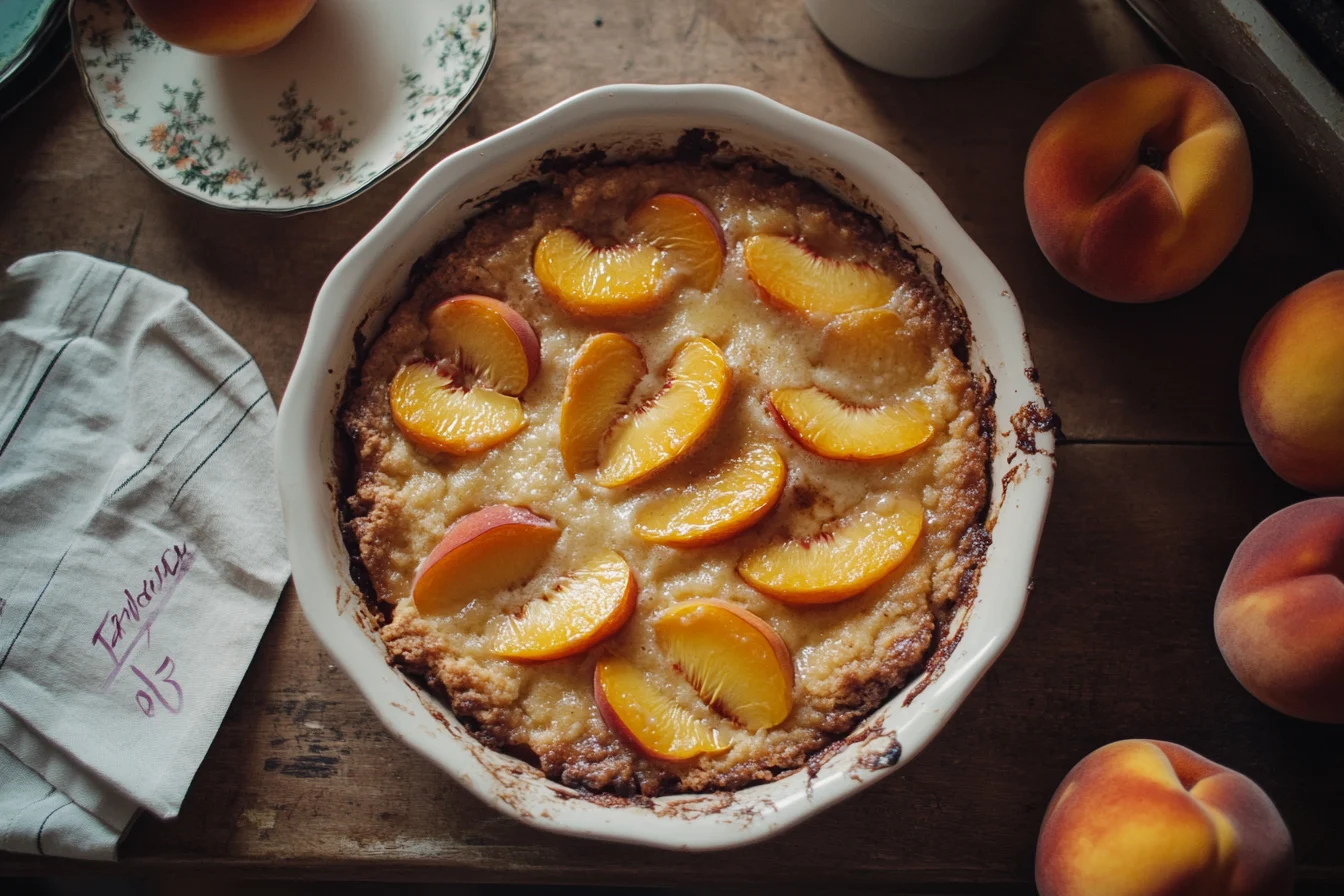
1157,484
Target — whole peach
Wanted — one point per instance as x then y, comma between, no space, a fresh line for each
1139,185
1279,618
223,27
1292,386
1150,818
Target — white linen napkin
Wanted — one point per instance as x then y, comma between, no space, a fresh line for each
143,550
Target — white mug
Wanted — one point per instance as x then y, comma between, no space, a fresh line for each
917,38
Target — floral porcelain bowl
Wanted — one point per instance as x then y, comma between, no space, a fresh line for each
632,121
348,98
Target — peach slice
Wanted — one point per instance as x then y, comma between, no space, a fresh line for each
645,717
838,564
587,606
731,499
604,373
687,231
873,341
869,332
437,413
792,275
825,425
607,282
733,659
483,552
670,424
488,338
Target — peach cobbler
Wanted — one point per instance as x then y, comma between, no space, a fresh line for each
667,474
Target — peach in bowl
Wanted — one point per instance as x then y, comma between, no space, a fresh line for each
223,27
631,123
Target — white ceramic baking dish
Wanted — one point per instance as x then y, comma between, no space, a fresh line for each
629,121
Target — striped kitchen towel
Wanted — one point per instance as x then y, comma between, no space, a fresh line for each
143,546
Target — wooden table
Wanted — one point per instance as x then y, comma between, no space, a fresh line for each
1157,481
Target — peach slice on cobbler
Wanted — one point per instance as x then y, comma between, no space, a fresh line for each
647,718
437,411
825,425
600,382
579,610
465,401
687,231
869,332
482,553
733,659
874,345
729,500
606,281
671,237
487,338
789,274
671,423
836,564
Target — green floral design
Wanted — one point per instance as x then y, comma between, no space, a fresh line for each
302,130
184,146
459,47
106,63
312,181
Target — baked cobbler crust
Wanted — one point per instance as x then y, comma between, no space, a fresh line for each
848,656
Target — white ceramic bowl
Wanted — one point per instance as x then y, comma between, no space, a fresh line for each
629,121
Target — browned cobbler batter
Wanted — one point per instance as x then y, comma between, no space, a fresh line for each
848,656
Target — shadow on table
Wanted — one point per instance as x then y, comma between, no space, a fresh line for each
172,887
99,887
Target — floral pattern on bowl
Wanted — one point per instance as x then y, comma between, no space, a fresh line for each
349,97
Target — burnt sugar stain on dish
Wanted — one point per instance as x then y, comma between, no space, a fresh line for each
1033,418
